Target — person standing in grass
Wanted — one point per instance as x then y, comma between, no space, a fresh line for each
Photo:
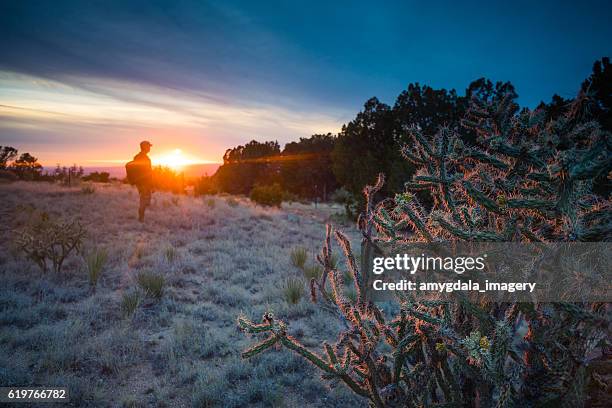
140,173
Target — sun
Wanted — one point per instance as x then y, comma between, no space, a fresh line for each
175,160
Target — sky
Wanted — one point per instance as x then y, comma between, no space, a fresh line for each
86,81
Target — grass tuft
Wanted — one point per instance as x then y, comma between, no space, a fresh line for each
293,290
151,283
298,257
95,261
130,302
171,254
313,271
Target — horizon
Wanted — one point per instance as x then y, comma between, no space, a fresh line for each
86,83
190,171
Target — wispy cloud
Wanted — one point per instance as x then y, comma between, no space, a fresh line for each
106,110
79,77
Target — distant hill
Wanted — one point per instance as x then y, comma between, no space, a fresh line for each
194,170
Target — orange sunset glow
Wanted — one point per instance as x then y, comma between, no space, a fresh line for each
176,159
99,122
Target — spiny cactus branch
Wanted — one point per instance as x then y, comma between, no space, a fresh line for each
522,181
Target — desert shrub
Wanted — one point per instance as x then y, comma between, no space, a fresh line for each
95,261
267,195
88,189
341,196
47,240
347,200
151,283
526,180
130,302
299,256
293,289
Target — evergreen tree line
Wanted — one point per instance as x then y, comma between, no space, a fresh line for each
314,167
24,166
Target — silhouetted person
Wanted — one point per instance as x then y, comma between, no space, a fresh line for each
145,179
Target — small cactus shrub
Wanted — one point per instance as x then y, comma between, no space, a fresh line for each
151,283
293,290
524,180
50,241
95,262
299,256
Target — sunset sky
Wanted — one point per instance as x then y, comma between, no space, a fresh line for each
85,83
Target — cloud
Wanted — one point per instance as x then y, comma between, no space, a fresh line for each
106,111
201,72
215,73
192,46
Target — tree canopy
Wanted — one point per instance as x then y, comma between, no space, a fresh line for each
372,142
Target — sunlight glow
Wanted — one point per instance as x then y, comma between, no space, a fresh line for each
176,160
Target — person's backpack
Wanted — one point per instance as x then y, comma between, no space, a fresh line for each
133,171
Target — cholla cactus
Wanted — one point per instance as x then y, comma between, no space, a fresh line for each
524,181
47,240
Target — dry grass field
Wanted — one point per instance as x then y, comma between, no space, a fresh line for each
124,346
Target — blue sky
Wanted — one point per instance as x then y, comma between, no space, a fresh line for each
90,79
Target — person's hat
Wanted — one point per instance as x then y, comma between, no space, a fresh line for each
145,143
